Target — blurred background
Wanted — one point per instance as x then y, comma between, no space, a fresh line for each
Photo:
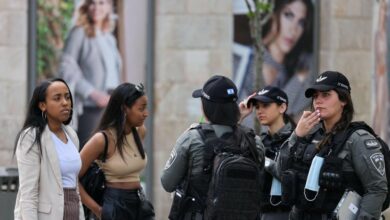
173,46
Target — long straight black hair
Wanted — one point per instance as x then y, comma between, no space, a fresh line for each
346,117
35,117
114,116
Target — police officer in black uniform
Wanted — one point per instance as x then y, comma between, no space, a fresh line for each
358,165
270,105
218,96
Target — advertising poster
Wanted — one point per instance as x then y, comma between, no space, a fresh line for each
288,59
380,116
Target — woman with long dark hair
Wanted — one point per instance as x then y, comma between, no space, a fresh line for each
288,42
287,35
46,150
123,123
323,165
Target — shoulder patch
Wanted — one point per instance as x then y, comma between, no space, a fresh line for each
171,159
362,132
378,161
194,125
371,144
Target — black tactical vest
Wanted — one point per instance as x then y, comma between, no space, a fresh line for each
333,180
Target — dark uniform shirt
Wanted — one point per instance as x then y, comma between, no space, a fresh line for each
272,144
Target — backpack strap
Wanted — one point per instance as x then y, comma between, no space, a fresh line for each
248,140
340,139
104,157
207,133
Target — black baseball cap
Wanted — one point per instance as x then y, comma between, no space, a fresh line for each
218,89
329,80
269,94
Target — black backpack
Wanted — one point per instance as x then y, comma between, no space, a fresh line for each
234,190
354,126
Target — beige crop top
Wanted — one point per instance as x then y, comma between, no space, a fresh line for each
126,169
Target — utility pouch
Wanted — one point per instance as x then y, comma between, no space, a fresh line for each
181,200
331,177
179,205
348,206
289,187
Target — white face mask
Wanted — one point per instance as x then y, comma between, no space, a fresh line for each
313,177
276,190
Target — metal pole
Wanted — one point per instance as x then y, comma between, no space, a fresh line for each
31,47
316,36
150,93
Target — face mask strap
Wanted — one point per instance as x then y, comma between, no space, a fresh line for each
310,200
274,204
278,184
